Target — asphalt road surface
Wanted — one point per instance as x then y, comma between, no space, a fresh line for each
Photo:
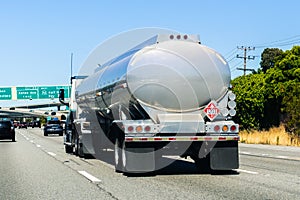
36,167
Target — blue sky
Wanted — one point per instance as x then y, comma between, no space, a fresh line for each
37,37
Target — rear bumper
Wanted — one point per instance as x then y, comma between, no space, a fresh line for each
7,135
182,138
53,131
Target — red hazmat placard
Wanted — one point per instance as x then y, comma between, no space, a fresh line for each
212,111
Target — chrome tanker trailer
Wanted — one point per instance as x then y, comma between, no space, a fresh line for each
169,95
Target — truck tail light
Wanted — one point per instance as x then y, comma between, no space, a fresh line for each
225,128
139,129
130,128
147,128
233,128
217,128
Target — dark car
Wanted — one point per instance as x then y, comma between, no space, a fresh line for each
7,130
23,125
36,124
53,127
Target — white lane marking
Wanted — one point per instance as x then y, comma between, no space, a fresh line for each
51,153
31,141
246,171
89,176
244,152
282,157
270,156
38,146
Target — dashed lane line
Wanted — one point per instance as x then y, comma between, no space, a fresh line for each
270,156
51,153
89,177
246,171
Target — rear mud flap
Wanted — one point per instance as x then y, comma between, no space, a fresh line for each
139,160
87,144
224,158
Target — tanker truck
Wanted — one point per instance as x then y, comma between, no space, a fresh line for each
169,95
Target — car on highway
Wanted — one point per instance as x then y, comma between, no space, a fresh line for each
53,127
35,124
16,124
22,125
7,130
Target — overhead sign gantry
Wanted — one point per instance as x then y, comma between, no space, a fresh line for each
33,92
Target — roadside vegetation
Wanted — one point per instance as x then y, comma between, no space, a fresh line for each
274,136
269,100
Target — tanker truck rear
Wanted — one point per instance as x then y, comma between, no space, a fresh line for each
169,95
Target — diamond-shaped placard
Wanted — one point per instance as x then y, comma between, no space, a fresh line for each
211,110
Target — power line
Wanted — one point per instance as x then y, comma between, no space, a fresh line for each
233,68
282,42
229,54
245,57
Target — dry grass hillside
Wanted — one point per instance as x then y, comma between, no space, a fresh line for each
274,136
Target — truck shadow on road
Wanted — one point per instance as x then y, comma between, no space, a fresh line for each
169,167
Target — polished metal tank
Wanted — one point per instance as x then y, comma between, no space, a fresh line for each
173,73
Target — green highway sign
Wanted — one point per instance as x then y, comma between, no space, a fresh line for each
27,93
52,92
33,92
41,92
5,93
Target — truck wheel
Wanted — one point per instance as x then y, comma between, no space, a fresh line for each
45,134
118,156
68,149
203,164
75,146
80,149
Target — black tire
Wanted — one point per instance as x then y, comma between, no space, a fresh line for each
118,156
68,149
203,164
45,134
61,134
75,148
79,149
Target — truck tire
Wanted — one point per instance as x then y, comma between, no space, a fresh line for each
76,145
203,164
118,156
80,150
68,149
45,134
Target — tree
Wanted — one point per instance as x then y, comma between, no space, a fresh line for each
272,95
269,57
250,93
282,88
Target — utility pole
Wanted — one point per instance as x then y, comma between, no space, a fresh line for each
245,57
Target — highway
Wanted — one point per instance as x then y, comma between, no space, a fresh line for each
36,167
